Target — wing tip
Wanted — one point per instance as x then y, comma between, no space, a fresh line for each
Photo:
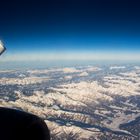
3,48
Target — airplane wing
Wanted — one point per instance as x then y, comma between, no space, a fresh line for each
2,48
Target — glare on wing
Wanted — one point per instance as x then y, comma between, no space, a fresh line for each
2,48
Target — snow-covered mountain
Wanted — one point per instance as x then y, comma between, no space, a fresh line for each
87,102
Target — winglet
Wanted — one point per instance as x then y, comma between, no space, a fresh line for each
2,48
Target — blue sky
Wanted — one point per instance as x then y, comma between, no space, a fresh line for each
67,30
